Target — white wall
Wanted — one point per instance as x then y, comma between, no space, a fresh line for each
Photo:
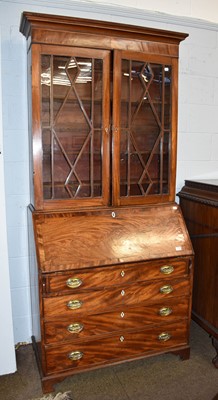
6,332
198,112
16,165
198,107
206,10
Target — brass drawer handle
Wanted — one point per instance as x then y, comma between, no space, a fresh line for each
164,311
164,336
74,283
166,289
75,355
166,269
74,304
75,328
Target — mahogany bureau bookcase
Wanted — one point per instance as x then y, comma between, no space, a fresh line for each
199,204
114,259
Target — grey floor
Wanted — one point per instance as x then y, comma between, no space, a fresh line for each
163,377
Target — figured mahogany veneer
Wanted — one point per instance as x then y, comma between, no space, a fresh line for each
102,300
121,235
123,319
113,277
118,347
116,275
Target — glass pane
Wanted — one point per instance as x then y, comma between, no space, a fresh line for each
166,163
167,97
45,90
46,145
71,127
97,92
97,163
145,117
123,162
125,77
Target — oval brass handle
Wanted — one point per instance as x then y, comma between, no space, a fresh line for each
74,304
166,269
164,336
75,355
74,282
75,328
166,289
164,311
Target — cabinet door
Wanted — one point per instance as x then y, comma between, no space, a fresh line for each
144,128
70,126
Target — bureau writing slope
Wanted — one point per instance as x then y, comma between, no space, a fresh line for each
114,261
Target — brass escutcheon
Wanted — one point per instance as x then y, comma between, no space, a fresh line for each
164,311
166,289
164,336
75,328
75,355
166,269
74,282
74,304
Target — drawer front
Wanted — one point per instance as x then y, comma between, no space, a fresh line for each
116,275
90,302
125,319
80,355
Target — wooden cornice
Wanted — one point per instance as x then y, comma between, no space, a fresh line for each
31,21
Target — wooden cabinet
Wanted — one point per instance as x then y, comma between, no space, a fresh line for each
199,203
114,260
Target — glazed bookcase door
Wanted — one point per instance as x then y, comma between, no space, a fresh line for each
73,165
144,128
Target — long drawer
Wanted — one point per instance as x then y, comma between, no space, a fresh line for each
90,353
81,327
102,300
116,275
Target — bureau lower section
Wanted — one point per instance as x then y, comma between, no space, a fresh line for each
101,316
114,286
